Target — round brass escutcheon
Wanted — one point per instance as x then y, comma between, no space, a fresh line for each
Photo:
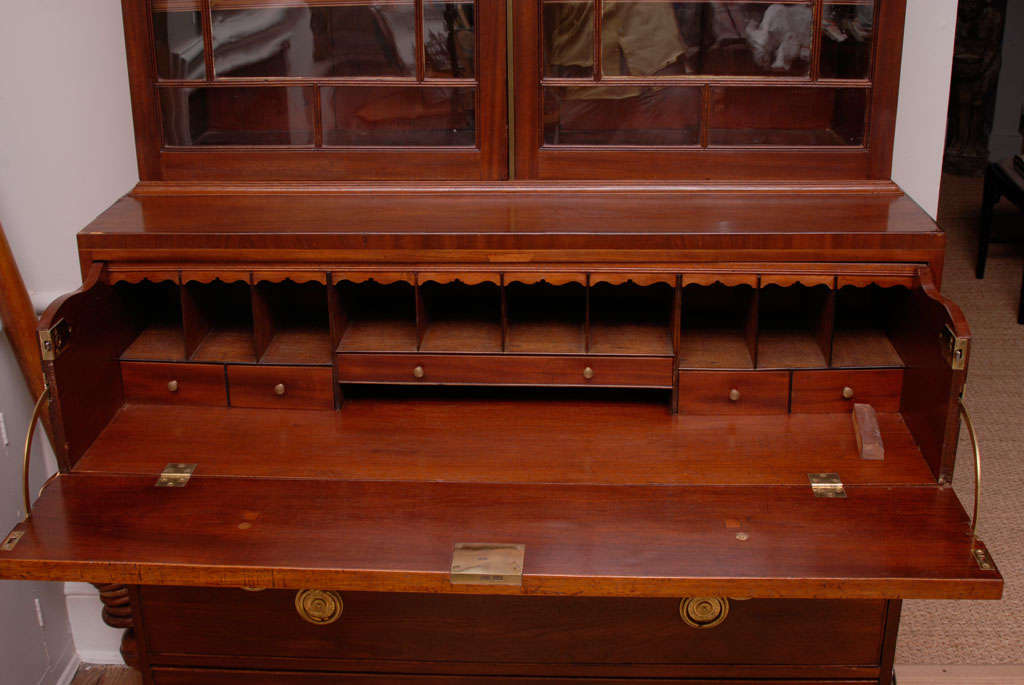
418,372
279,389
172,386
319,607
734,395
704,612
588,373
847,393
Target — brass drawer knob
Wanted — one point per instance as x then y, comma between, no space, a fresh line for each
172,386
734,395
847,393
279,389
319,607
588,373
418,372
703,612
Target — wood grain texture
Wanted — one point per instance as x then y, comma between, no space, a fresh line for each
194,384
882,542
303,388
712,392
20,321
822,391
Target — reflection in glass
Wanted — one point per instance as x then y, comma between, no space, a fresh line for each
846,34
604,115
787,116
178,39
371,39
449,39
237,116
398,116
656,38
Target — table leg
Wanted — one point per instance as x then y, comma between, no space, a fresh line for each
990,198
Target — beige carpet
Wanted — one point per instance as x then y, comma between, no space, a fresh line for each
944,632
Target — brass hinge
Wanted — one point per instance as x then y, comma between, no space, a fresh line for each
11,540
984,559
954,349
54,340
481,563
175,475
827,485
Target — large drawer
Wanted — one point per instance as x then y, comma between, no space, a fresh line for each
469,369
180,676
489,629
159,383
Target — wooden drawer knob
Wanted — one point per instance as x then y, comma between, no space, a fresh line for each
704,612
847,393
418,372
734,395
172,386
588,373
279,389
319,607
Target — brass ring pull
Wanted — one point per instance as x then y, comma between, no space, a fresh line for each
703,612
847,393
319,607
418,372
172,386
27,459
279,389
734,395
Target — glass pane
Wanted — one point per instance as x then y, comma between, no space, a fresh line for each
178,39
237,116
449,39
568,39
846,34
398,116
601,115
648,38
788,116
371,39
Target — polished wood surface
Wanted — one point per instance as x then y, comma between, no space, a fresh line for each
19,320
568,440
174,383
664,541
737,393
825,391
280,387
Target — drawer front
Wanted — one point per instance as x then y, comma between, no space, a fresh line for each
183,676
510,630
427,369
823,391
174,383
736,392
281,387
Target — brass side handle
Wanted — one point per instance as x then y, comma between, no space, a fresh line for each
172,386
847,393
319,607
26,462
588,373
734,395
704,612
419,372
280,390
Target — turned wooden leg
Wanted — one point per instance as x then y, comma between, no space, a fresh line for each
118,613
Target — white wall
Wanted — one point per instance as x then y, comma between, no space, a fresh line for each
66,153
924,100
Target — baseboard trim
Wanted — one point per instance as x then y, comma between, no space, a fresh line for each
70,670
100,657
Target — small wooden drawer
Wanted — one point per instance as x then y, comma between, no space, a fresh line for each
187,676
838,389
640,372
282,387
158,383
490,630
736,392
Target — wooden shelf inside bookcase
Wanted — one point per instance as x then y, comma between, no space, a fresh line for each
634,338
546,337
713,349
788,349
157,343
863,348
379,335
299,346
228,345
462,335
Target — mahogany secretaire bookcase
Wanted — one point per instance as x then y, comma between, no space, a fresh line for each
508,343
